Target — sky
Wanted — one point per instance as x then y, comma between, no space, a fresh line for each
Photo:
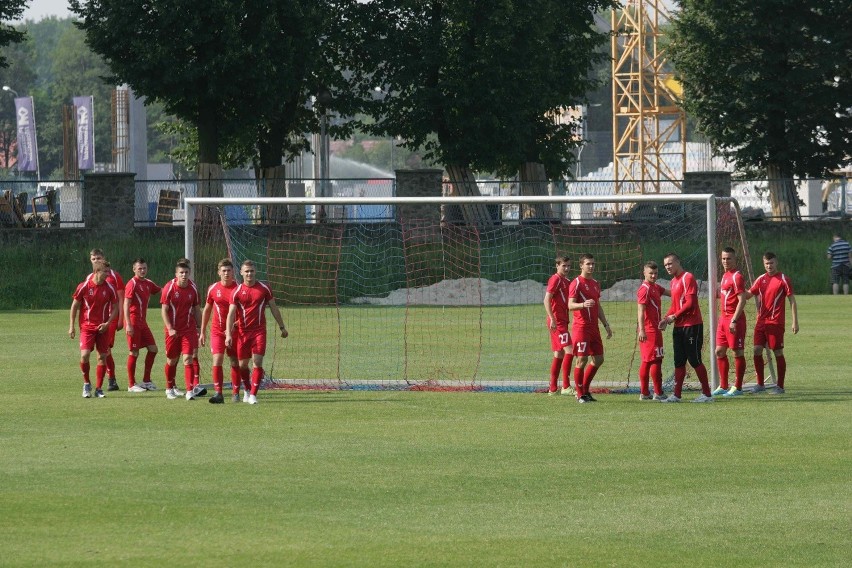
38,9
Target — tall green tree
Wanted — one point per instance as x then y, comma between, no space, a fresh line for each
19,75
472,82
239,71
9,34
76,71
769,83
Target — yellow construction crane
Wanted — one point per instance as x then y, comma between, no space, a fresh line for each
648,126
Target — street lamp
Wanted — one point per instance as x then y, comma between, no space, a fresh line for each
10,90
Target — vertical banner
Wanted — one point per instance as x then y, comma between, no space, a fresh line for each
27,146
85,132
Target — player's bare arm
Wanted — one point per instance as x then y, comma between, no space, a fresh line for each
196,313
575,305
794,311
276,313
164,312
128,329
229,325
741,302
640,323
75,312
547,298
205,319
603,320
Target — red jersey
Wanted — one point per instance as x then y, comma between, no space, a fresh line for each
685,306
771,291
112,278
220,297
96,302
557,286
582,289
251,302
650,295
180,302
732,284
137,292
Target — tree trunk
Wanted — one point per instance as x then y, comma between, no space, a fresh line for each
273,184
533,181
209,185
463,183
782,194
208,137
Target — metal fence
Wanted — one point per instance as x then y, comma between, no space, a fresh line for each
149,196
821,198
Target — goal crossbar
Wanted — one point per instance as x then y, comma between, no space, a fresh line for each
709,201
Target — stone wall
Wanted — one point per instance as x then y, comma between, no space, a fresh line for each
419,183
108,201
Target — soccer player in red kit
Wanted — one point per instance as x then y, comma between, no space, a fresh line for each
649,302
688,334
180,312
113,277
731,330
247,311
216,308
137,292
95,303
556,308
771,289
584,295
197,389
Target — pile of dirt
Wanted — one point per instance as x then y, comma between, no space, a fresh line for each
479,291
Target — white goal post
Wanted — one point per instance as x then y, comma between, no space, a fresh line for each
708,201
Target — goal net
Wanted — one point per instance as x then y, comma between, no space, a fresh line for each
404,293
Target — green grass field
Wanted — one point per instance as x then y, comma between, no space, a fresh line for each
349,478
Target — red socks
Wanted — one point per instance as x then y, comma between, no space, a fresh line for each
131,370
149,364
781,367
84,367
555,365
724,370
701,371
566,371
643,378
256,377
578,381
657,376
218,379
188,375
171,373
758,368
100,373
680,375
591,370
110,366
235,380
196,372
739,369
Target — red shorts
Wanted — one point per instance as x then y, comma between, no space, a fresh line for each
181,343
587,342
142,337
652,348
251,343
94,341
113,327
560,338
769,335
735,340
217,343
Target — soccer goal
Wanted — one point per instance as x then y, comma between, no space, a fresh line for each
382,292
